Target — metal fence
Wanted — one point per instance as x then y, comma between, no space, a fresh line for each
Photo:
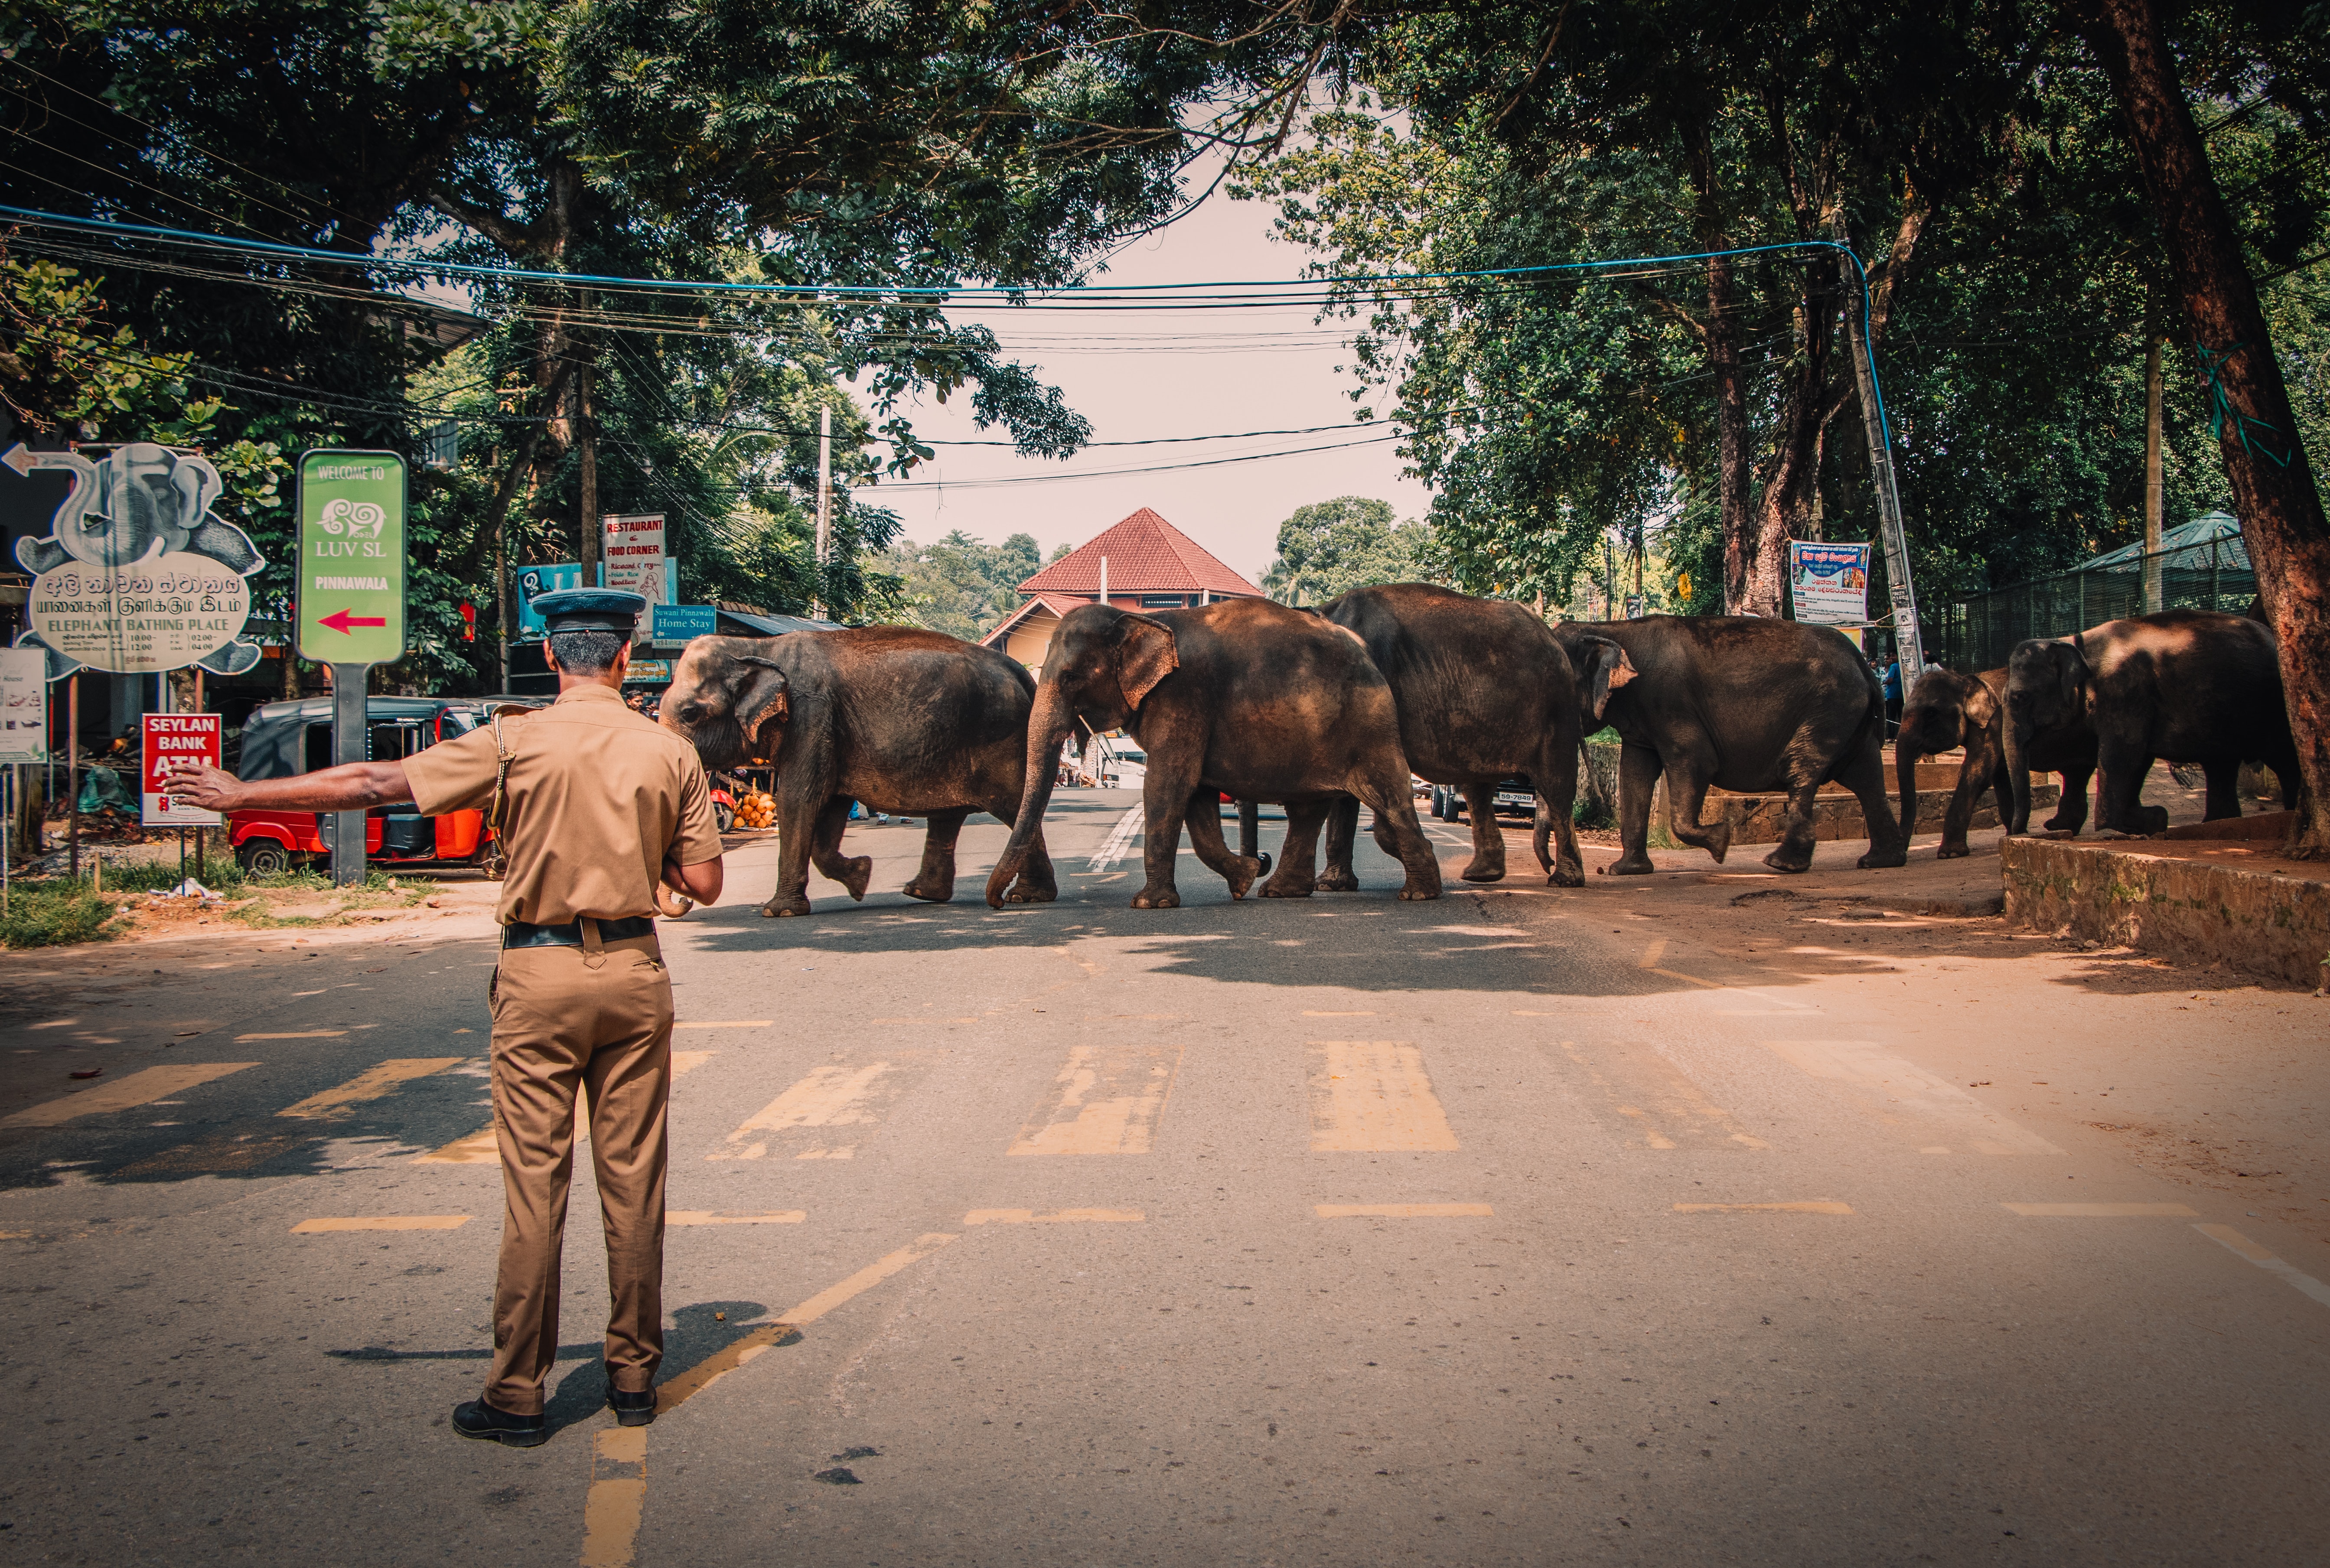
1979,632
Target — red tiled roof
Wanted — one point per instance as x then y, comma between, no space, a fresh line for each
1146,554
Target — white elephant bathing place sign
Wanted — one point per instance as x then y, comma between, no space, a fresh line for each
137,575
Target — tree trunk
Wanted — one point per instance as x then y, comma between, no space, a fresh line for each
588,535
2273,488
1722,334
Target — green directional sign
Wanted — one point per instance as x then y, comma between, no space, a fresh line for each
351,592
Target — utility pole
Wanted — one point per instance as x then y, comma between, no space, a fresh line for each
1908,643
824,504
592,531
2152,499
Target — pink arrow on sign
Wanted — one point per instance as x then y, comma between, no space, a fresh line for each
342,621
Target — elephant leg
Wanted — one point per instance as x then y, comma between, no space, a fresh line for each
1342,838
1555,778
797,829
1292,879
1206,838
934,880
2119,799
2071,810
1488,838
1165,800
1688,777
1395,808
1975,774
1639,768
1888,840
1036,883
2224,788
1795,851
824,850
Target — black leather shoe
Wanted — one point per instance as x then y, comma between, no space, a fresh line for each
632,1408
478,1418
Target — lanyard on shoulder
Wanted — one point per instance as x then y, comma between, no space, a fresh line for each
495,863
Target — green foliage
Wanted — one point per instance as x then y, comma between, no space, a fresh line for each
960,586
56,914
1331,547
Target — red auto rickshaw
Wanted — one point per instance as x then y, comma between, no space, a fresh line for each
283,739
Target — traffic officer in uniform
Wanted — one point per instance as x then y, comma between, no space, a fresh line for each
596,809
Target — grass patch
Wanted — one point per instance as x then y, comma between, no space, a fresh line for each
57,914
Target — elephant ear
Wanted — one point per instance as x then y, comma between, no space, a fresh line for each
1145,655
197,482
1609,669
2071,669
765,699
1981,708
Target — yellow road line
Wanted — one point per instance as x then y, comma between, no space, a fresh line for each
1403,1211
707,1217
2241,1246
382,1223
124,1093
1108,1101
295,1035
617,1495
1374,1096
372,1083
1056,1217
2105,1211
1817,1206
1653,953
730,1024
830,1096
481,1146
1650,1134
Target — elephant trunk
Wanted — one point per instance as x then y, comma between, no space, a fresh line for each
1049,723
1909,747
2018,775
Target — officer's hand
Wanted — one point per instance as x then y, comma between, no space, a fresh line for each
200,785
672,905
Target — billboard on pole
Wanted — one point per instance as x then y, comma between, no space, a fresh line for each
351,582
178,737
23,706
637,550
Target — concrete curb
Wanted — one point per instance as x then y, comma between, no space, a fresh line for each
2258,921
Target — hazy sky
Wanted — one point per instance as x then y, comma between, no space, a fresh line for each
1147,374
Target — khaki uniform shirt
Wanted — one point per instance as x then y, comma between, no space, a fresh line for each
598,796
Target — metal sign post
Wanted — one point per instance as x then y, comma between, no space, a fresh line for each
1908,642
351,599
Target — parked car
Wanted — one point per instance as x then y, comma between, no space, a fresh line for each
1516,797
283,739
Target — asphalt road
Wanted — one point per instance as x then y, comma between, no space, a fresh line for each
1525,1226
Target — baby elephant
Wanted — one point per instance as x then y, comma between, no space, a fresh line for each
909,721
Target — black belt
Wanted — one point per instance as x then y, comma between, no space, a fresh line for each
526,934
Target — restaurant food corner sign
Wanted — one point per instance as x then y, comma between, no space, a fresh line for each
137,574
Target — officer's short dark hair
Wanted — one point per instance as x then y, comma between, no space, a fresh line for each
587,653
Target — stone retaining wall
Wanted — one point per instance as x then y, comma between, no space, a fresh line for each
2252,919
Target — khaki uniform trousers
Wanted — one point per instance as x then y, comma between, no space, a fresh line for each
593,1020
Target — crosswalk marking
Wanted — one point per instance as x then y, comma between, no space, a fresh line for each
372,1083
480,1147
2240,1246
833,1095
1403,1211
1814,1206
1056,1217
382,1223
123,1093
1900,1093
1107,1100
1369,1096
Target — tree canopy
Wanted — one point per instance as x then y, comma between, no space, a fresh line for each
1331,547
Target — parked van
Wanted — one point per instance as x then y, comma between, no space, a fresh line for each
283,739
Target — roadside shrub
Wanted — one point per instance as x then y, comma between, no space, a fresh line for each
56,914
1587,812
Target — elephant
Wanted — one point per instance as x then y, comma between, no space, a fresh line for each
1242,697
2190,685
1740,702
1484,692
909,721
1947,710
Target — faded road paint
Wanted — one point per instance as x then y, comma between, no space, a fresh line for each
372,1083
1108,1101
124,1093
1373,1096
834,1095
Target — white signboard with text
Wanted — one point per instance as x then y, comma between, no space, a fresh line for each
638,557
23,706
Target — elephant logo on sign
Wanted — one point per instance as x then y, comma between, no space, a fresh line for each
139,502
354,519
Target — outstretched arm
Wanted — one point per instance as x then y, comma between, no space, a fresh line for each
351,787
